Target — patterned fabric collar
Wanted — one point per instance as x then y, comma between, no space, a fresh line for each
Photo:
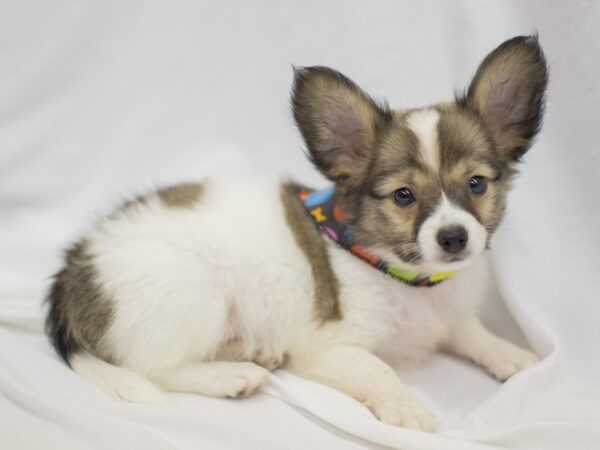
323,209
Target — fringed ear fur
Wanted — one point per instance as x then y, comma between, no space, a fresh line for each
507,93
338,121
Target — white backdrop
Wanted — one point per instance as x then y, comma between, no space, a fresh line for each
102,99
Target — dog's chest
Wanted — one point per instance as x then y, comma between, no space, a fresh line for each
401,319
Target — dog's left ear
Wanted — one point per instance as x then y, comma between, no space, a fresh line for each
338,121
507,92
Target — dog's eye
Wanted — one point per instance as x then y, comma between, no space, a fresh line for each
478,185
404,196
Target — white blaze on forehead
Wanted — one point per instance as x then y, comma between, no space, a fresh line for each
424,124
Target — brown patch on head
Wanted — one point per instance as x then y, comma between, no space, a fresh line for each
80,313
374,215
468,151
311,243
183,195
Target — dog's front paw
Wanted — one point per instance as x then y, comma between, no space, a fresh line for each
508,360
403,411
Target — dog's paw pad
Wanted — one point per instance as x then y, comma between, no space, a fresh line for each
404,412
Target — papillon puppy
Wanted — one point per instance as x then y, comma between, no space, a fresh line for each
206,287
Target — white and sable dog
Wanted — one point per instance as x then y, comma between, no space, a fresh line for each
203,288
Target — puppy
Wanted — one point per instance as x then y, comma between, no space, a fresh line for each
204,288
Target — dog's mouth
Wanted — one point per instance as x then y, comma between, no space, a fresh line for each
445,262
454,259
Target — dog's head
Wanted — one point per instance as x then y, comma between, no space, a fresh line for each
425,186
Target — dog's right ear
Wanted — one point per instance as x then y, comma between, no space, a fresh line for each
338,121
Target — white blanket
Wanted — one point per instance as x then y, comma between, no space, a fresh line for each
102,99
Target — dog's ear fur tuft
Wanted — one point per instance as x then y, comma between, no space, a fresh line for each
507,93
338,121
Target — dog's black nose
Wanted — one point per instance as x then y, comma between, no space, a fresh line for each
453,239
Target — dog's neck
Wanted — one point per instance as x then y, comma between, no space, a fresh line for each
323,208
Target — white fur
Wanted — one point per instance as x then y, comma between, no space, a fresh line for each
225,280
423,124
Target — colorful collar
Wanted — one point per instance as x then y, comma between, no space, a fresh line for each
326,213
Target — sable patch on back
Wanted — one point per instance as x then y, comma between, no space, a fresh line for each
79,312
310,241
183,195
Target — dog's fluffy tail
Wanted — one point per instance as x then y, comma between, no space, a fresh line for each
119,383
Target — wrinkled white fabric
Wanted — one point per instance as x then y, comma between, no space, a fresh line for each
102,99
